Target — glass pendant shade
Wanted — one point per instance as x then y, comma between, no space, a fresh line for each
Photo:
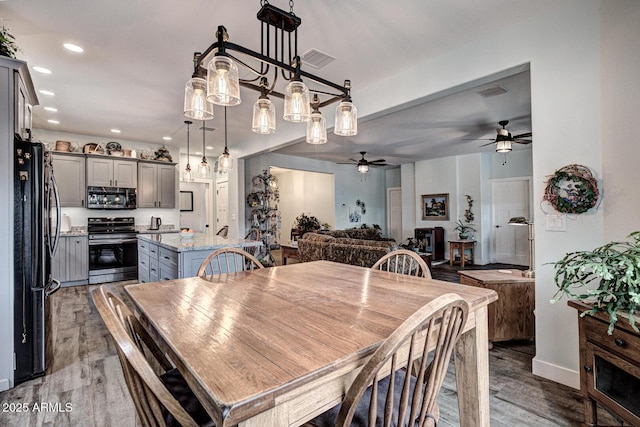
225,161
204,170
363,168
196,105
317,129
503,146
264,117
346,119
223,86
296,102
187,175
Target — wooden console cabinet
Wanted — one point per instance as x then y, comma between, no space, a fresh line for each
511,317
609,366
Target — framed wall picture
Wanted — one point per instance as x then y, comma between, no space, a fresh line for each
355,214
435,207
186,201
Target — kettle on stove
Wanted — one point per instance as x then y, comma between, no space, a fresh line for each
156,222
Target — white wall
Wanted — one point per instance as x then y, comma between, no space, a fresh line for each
620,91
309,192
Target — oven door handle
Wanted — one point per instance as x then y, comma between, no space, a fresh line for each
95,242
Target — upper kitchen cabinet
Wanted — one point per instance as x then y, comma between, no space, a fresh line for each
105,172
69,170
157,185
15,81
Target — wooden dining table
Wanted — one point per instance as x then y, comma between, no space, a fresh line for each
278,346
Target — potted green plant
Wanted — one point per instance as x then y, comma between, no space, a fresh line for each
615,267
8,47
464,230
306,223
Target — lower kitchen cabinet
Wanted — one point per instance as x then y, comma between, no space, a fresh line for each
70,265
156,263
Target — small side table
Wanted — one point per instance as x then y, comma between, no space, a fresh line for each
461,246
289,251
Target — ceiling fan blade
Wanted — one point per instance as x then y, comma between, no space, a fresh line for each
346,163
484,145
377,161
478,139
522,141
523,135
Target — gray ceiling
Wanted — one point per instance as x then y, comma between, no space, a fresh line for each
138,58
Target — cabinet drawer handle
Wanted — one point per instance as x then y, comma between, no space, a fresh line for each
116,184
619,342
153,269
587,368
166,257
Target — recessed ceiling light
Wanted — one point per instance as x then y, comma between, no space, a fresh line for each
73,47
115,130
53,110
55,122
166,138
209,147
198,152
42,70
46,92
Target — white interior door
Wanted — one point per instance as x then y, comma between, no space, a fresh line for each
510,198
394,213
222,202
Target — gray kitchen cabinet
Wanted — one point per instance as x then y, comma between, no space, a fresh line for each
69,170
106,172
70,265
156,185
156,263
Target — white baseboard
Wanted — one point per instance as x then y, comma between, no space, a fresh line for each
556,373
4,384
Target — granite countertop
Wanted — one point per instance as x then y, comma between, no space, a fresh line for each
199,242
161,231
74,233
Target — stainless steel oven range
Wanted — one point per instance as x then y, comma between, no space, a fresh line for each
113,251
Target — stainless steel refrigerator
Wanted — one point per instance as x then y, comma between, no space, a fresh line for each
36,235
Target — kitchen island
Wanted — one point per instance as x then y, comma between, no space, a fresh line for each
168,256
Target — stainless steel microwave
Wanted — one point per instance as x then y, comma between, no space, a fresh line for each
111,198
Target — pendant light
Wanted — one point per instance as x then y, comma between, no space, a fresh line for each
296,98
346,115
264,112
204,170
196,105
223,86
317,126
225,161
187,175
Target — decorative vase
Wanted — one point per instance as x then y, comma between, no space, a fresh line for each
463,236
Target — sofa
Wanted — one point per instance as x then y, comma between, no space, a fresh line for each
347,250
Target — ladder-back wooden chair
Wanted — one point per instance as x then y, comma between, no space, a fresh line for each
403,261
227,260
159,393
223,231
254,235
382,394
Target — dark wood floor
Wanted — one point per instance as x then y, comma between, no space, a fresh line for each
86,382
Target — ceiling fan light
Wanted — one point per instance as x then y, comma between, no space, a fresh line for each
503,146
223,86
264,117
363,168
317,129
296,102
346,119
196,105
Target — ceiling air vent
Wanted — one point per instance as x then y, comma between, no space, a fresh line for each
208,129
316,59
492,91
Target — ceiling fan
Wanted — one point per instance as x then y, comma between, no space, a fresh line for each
504,139
363,164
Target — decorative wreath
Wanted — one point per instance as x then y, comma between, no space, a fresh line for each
572,189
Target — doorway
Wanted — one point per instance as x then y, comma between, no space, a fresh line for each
510,197
394,213
222,203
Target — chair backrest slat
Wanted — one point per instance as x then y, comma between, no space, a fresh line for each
227,260
134,345
403,261
439,324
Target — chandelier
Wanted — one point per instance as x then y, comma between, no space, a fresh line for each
215,80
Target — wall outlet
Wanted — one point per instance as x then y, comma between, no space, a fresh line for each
556,222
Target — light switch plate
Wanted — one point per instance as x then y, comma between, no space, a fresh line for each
556,222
